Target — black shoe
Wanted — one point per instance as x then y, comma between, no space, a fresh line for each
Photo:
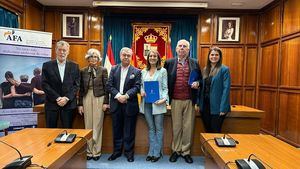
96,158
188,158
114,156
174,157
88,157
130,159
154,159
149,158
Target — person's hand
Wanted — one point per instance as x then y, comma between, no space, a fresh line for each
27,94
122,99
105,107
80,110
161,101
222,113
41,92
195,85
197,108
143,94
62,101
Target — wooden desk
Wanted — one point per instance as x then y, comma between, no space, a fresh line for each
241,119
274,152
34,141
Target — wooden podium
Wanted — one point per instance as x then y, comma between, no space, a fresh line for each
272,151
241,119
35,141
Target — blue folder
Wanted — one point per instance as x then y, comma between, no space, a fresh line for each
152,91
194,76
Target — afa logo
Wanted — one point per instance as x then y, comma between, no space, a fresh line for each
11,36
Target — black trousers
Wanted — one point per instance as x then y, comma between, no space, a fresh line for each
66,117
212,123
123,131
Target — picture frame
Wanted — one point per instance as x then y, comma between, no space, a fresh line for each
72,26
228,29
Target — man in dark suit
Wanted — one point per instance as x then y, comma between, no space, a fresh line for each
183,97
60,82
123,85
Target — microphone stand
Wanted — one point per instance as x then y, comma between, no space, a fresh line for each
19,163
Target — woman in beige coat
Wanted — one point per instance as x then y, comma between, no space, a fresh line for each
93,100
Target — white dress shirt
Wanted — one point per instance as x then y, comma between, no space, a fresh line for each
124,71
61,69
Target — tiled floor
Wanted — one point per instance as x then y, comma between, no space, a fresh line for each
141,163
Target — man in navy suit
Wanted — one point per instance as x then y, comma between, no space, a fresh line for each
123,85
60,82
183,97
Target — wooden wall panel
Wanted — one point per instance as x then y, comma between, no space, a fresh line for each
233,58
289,116
50,23
251,32
34,16
290,63
236,96
291,19
251,66
270,24
267,103
202,59
77,53
16,6
96,22
249,97
269,65
18,3
96,46
205,28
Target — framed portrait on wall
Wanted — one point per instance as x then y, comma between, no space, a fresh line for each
228,29
72,25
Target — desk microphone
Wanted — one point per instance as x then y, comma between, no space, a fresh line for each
237,142
251,163
225,142
19,163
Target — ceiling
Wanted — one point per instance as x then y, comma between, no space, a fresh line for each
212,4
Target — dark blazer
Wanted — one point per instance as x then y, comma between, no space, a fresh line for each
98,82
219,94
54,88
131,87
171,66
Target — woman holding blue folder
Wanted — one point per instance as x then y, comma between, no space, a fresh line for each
154,111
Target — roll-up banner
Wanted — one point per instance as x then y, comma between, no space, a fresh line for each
22,54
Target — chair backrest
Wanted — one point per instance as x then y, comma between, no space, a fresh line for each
4,125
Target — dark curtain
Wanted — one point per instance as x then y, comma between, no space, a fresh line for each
8,19
119,26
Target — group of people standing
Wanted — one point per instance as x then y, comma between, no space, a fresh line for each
21,94
98,91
